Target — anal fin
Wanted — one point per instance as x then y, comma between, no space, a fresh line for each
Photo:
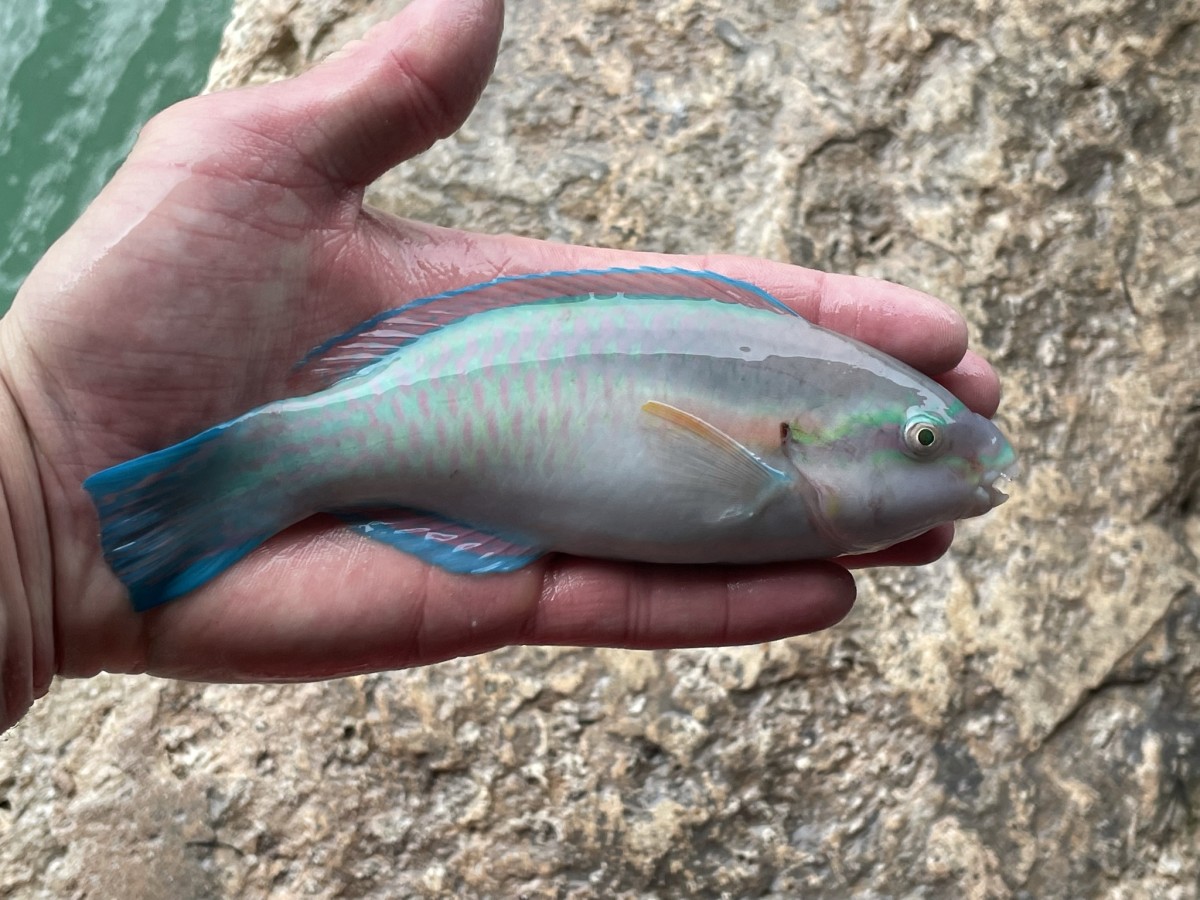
452,546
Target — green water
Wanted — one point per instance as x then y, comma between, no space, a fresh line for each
77,80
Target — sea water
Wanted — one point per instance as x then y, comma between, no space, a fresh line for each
78,78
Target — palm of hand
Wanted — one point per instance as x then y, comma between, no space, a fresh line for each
204,284
233,241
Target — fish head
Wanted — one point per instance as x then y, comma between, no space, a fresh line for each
888,476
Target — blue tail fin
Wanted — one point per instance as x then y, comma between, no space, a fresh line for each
173,519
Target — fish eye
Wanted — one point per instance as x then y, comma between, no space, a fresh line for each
923,437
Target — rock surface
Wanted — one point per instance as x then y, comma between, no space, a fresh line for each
1020,719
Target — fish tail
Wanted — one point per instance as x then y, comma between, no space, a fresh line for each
173,519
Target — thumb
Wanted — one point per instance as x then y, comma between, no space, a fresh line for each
410,81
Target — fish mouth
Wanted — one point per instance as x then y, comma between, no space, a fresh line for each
996,482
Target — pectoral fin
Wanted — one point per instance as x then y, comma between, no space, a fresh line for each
714,464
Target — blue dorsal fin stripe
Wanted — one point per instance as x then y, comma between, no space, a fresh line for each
450,545
382,335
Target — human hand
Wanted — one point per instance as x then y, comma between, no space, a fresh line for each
232,241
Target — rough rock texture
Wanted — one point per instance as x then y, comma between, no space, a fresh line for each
1021,719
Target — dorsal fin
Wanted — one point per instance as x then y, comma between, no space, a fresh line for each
380,336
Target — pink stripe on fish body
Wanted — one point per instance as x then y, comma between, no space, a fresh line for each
440,429
556,387
477,395
519,400
493,426
529,385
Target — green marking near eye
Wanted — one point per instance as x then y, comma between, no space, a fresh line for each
847,427
868,420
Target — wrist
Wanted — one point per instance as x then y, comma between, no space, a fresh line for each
26,567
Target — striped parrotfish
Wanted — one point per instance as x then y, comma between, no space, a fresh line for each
653,414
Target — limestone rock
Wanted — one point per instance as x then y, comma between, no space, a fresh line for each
1020,719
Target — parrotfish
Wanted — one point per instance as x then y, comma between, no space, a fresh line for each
653,414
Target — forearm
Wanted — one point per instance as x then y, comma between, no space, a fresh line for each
26,582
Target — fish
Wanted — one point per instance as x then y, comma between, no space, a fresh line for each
656,414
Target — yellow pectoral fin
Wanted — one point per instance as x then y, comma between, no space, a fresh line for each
740,483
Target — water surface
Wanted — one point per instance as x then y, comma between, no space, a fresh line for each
77,80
